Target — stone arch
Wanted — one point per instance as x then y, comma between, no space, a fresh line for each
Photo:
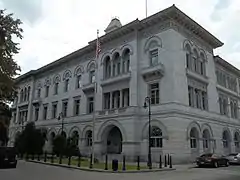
193,124
158,124
236,139
78,70
39,84
208,127
104,56
114,54
106,127
115,51
47,81
226,129
75,128
152,41
67,75
91,65
195,52
85,129
57,78
51,130
187,44
64,130
203,55
126,47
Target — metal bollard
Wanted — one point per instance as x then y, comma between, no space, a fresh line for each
69,160
38,158
160,161
60,159
45,157
106,162
170,163
168,159
124,163
90,163
79,160
165,161
52,158
138,163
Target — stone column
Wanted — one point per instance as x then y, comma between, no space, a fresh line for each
121,95
111,100
121,62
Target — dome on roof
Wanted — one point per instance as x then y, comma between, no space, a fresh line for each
114,24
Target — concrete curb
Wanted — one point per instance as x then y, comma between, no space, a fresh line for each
99,170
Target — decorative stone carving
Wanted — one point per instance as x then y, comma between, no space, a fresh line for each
67,75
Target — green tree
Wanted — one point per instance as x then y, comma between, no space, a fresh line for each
31,140
9,30
5,117
59,145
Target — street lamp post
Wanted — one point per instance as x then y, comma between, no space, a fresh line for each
60,117
147,103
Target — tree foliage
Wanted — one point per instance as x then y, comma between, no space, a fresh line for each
5,117
59,144
9,31
31,140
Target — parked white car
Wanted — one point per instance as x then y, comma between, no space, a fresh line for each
234,158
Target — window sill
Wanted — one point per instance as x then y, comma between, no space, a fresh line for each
200,77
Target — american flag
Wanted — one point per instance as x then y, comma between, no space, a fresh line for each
98,46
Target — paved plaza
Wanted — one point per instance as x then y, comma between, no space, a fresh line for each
32,171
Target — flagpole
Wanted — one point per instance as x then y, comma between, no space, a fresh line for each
146,6
94,99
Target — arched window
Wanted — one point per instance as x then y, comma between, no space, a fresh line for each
66,78
56,81
202,68
25,94
28,93
89,138
237,140
116,64
206,139
225,139
156,137
195,60
194,138
21,95
107,67
235,110
126,61
92,72
188,56
75,138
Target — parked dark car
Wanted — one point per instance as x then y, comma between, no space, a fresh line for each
8,157
234,158
213,160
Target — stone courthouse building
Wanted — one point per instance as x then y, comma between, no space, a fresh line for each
168,57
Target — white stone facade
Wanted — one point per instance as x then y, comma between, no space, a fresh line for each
168,51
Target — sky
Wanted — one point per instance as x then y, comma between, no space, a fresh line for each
54,28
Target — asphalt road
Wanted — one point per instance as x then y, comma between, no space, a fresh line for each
32,171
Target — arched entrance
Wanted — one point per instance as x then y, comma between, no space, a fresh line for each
114,141
237,141
206,141
226,139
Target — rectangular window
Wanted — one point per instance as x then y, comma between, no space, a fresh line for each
76,107
45,109
36,113
154,57
116,99
66,88
78,82
125,97
154,93
106,100
64,108
92,76
90,105
47,91
188,60
54,111
190,96
56,88
39,93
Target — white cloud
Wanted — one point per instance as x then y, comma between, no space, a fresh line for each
62,26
